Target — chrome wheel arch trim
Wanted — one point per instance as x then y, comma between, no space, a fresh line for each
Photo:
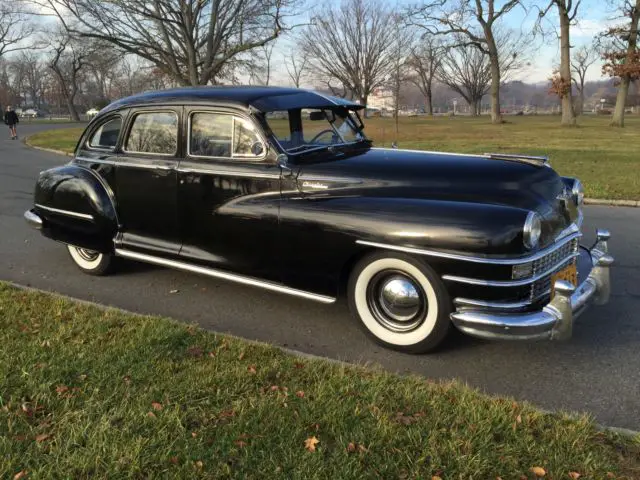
233,277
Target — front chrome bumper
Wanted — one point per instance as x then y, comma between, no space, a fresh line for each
555,320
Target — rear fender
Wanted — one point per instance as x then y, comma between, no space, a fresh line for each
77,207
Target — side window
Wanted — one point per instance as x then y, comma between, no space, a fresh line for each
154,132
223,136
106,136
210,135
244,138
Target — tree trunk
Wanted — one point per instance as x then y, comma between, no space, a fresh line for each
618,114
568,114
621,100
581,101
429,98
496,114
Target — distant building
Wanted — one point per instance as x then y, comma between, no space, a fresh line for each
381,98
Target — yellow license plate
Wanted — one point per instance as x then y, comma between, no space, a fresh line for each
568,273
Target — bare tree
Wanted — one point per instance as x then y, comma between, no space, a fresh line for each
103,65
188,40
352,45
581,60
474,22
15,27
425,61
622,55
400,72
561,83
296,64
30,72
67,60
466,70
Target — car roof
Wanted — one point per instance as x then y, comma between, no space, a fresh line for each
261,98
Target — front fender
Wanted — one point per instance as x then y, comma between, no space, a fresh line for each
77,207
418,223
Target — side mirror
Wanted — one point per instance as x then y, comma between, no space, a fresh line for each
257,149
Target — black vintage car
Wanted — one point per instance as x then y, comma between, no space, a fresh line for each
280,188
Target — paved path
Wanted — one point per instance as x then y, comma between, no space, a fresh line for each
598,371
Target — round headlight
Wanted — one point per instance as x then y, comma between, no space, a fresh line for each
577,192
532,230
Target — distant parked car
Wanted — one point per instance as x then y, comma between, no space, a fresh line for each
92,112
202,180
30,113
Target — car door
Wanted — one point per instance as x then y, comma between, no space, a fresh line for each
228,194
146,181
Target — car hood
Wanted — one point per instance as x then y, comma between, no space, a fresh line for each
429,175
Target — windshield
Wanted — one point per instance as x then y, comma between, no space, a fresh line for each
302,130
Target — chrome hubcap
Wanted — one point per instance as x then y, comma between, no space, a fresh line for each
399,298
397,301
88,255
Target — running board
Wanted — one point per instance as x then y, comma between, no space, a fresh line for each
222,275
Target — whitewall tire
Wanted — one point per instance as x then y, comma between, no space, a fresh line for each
400,301
89,261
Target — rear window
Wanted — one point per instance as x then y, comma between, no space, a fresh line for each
106,136
154,132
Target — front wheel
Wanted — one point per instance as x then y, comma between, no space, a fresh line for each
401,302
90,261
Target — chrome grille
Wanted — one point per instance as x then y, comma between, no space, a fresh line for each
542,287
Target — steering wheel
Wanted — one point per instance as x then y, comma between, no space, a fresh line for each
323,132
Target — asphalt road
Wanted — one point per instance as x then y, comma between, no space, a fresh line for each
598,371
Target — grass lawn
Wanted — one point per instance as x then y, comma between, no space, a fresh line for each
63,139
606,159
86,392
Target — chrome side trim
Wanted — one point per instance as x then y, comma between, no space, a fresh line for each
469,258
69,213
120,163
468,302
210,272
510,283
228,173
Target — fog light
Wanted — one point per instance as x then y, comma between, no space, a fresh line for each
522,270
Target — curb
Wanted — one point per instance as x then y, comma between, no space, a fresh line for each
613,203
624,432
587,201
25,140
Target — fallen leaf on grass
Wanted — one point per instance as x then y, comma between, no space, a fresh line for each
174,291
356,447
151,415
194,434
240,443
310,444
436,477
538,471
251,369
241,356
174,460
20,474
405,419
42,437
199,464
610,475
126,379
574,475
298,365
300,394
519,419
156,406
60,389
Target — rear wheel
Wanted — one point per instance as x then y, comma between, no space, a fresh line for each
90,261
400,301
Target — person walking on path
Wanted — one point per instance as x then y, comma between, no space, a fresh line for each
11,119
